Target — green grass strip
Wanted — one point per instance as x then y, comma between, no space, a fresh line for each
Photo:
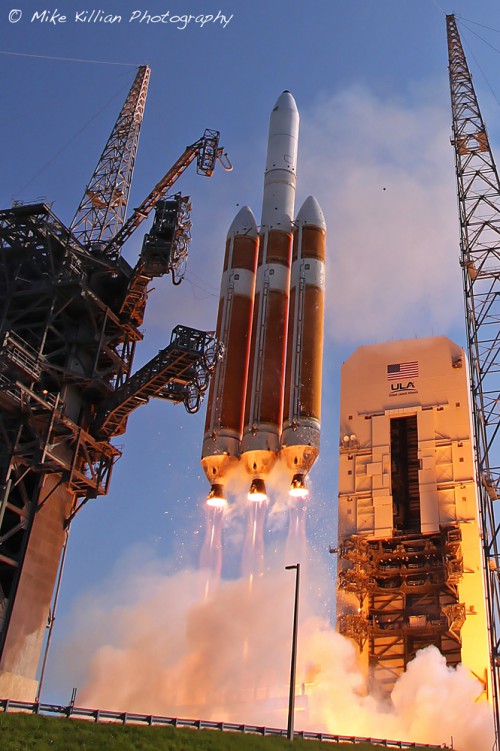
24,732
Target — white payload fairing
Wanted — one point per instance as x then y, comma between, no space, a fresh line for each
265,396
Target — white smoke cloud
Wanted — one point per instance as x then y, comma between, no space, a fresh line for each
153,643
383,173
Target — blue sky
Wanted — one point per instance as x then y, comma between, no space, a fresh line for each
370,81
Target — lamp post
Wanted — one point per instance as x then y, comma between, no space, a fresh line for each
293,665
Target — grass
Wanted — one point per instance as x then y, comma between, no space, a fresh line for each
24,732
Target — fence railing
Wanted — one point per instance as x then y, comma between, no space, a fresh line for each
105,715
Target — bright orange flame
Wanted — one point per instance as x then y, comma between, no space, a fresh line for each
216,497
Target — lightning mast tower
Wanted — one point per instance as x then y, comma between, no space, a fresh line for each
479,210
103,207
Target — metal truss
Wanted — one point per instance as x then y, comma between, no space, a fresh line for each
103,207
67,342
178,373
407,588
62,348
206,151
164,251
479,211
49,285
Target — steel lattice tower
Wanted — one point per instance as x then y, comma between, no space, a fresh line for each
479,210
104,205
71,309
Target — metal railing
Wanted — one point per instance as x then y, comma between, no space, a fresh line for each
104,715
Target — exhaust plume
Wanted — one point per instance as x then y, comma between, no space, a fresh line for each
153,642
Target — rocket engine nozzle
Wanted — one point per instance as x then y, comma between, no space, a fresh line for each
257,492
216,497
298,487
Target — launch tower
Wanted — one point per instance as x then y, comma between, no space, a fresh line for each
70,314
478,190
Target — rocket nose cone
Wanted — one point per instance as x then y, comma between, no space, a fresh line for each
310,213
285,101
243,223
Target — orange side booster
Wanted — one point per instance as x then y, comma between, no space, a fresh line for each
302,404
226,400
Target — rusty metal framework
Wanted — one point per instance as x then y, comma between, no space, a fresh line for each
103,207
479,210
69,325
407,589
65,346
70,314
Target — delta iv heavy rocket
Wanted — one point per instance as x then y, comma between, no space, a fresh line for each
264,402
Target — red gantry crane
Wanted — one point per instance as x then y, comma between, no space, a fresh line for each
479,210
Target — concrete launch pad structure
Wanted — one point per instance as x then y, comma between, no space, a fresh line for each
410,567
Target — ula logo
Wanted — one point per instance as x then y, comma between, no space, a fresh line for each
400,387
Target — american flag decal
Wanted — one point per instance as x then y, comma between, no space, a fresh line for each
402,370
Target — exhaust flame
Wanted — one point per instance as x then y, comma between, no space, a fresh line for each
296,544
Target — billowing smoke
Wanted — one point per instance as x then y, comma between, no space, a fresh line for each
383,173
155,642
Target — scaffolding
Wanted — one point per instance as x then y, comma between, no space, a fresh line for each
67,343
407,590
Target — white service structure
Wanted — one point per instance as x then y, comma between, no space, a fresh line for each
410,564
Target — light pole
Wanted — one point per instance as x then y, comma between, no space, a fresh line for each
293,665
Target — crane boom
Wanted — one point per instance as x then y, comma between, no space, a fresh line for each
479,210
103,208
206,151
